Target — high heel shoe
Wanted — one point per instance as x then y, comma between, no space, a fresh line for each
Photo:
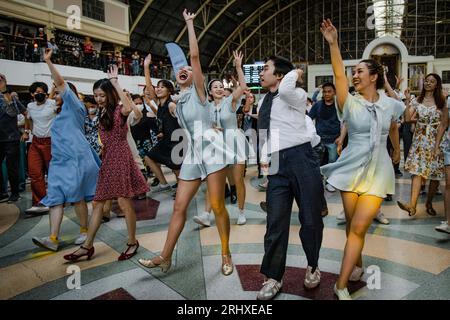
430,209
74,256
227,265
125,255
411,210
164,265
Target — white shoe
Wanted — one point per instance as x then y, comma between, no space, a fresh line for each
37,209
160,188
341,216
330,188
312,280
356,274
342,294
270,289
444,227
46,243
241,219
202,219
81,238
381,218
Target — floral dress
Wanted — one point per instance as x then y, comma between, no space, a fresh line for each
421,160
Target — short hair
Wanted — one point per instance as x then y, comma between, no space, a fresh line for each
136,96
168,85
282,65
89,99
38,84
329,84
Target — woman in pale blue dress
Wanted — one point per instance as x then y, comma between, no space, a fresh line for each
223,113
203,159
445,138
74,167
364,173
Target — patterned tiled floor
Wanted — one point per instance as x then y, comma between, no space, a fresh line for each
413,259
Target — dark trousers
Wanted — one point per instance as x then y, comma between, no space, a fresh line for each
298,178
11,151
407,137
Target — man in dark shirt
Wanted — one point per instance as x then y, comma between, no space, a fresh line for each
328,126
10,108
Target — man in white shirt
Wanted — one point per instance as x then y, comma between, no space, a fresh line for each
293,173
41,113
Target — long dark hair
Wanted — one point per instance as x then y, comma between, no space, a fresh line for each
375,68
112,100
439,98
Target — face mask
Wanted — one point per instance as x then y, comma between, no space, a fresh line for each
40,97
92,110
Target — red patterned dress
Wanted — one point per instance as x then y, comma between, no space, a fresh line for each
119,176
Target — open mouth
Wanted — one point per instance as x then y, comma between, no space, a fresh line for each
183,76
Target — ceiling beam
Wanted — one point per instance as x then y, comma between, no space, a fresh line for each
140,15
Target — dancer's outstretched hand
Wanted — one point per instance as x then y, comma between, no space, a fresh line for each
112,73
148,60
188,16
48,54
238,57
329,31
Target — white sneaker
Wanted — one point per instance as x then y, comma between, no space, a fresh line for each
444,227
46,243
381,218
37,209
330,188
341,216
81,238
160,188
342,294
356,274
312,280
202,219
241,219
270,289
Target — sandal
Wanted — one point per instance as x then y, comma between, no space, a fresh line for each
411,210
125,255
430,209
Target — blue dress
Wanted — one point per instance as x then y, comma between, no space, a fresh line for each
74,167
234,139
364,166
205,152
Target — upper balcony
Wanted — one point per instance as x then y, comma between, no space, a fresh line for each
106,20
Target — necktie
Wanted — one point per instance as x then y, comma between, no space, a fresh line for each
264,112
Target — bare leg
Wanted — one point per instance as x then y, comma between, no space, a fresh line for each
432,189
55,217
207,202
216,189
106,208
366,210
156,169
81,210
238,175
94,224
447,193
230,177
130,217
349,200
415,190
186,191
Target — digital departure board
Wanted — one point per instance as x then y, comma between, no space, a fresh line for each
251,72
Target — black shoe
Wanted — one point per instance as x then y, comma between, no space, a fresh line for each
155,182
227,191
398,174
14,198
175,186
233,196
263,206
4,197
388,197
